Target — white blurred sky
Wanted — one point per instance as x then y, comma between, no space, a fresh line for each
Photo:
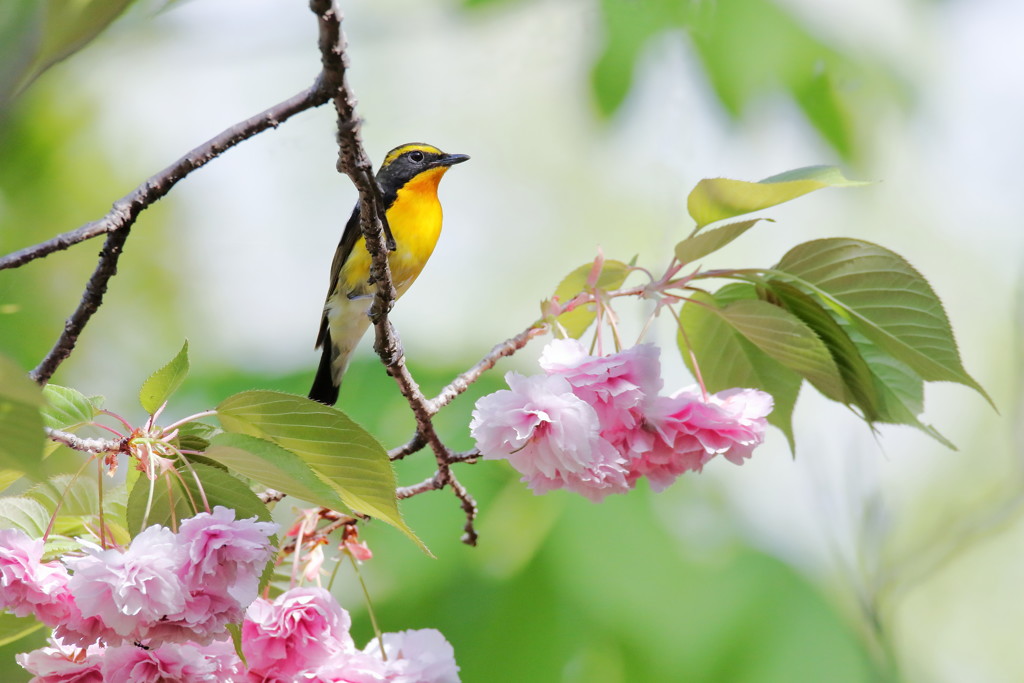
548,184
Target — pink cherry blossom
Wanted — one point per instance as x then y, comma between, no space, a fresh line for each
302,629
548,434
79,630
417,656
353,667
59,663
683,432
227,666
181,663
130,591
748,410
617,386
202,620
221,561
224,554
27,584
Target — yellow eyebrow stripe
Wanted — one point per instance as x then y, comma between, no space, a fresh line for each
413,146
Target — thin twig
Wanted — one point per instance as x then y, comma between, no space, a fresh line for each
470,456
320,534
414,444
469,537
118,222
431,483
462,382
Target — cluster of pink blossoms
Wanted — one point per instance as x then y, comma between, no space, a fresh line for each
596,424
158,611
303,635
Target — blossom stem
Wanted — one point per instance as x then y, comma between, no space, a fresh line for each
648,322
369,607
99,493
641,269
693,356
334,572
156,415
199,484
170,497
151,475
299,534
127,425
60,500
110,429
596,343
185,420
613,324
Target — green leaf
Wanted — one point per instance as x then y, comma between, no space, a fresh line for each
58,546
575,322
752,49
887,300
698,246
236,639
66,408
339,450
715,199
821,97
727,359
787,339
178,497
76,503
8,477
899,389
195,436
19,512
856,375
164,382
628,27
21,425
13,629
21,29
59,29
271,465
76,497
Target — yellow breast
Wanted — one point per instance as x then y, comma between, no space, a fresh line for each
415,221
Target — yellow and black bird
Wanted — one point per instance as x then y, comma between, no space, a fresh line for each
408,178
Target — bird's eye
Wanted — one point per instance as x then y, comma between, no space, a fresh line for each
416,156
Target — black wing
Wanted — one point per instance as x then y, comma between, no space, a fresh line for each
348,241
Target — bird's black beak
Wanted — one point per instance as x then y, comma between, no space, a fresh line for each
450,160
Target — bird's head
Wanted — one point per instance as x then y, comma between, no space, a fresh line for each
413,160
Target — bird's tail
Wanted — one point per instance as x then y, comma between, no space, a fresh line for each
344,325
324,388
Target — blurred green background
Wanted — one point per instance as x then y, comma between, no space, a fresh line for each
588,121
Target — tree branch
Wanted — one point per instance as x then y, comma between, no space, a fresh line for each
353,162
122,216
331,84
128,207
86,445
